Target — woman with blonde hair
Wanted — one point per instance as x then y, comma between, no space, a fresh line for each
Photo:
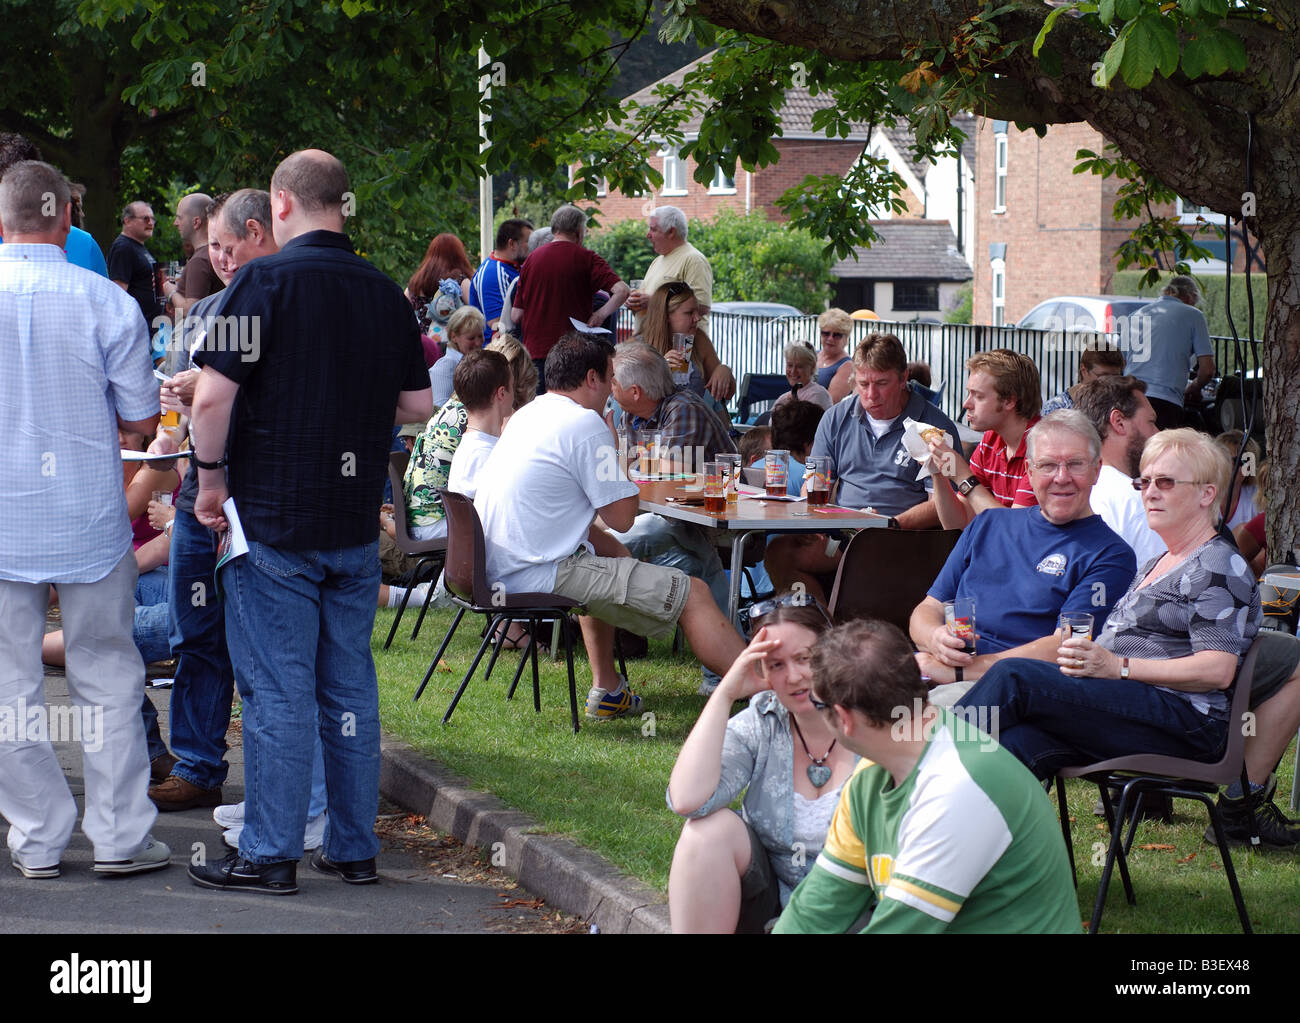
672,309
834,361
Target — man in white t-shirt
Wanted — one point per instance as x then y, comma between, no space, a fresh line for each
676,259
485,387
1124,419
553,471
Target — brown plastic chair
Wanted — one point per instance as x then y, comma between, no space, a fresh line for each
1174,777
885,573
466,580
429,554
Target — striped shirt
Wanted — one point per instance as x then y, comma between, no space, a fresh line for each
1007,478
75,352
487,289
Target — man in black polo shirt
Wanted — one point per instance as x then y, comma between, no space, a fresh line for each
130,266
328,358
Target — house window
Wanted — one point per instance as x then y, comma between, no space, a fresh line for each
916,296
602,186
721,184
1000,173
1189,214
999,268
674,172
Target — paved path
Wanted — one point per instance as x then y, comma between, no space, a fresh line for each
410,898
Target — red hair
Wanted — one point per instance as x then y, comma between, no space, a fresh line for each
446,258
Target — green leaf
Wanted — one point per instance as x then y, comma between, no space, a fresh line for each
1139,64
1048,22
1159,37
1106,11
1127,9
1195,57
1110,61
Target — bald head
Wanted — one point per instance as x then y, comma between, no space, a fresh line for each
308,191
192,219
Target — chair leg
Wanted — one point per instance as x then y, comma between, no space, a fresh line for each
455,624
1126,799
529,647
536,681
573,688
1065,827
1222,839
401,608
618,652
499,630
428,597
1112,816
464,683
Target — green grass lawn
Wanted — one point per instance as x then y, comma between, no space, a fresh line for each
604,787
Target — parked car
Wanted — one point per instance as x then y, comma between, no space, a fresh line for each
1081,313
774,323
766,310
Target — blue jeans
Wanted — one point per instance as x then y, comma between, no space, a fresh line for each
205,681
1049,720
298,625
149,631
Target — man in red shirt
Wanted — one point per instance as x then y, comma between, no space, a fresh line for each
1003,399
558,282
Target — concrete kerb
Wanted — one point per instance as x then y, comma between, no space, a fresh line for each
569,877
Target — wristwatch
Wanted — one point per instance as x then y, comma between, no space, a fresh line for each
967,485
1123,669
219,463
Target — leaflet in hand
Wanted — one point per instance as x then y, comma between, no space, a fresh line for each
582,328
233,544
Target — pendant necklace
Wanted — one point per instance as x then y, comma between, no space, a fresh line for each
818,773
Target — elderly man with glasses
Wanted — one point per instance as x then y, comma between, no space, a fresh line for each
1025,567
130,266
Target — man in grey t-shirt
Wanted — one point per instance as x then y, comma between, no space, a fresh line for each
1165,336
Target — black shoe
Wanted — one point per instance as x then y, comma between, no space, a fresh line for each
1272,825
352,871
236,874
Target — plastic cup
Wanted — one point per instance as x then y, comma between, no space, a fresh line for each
959,616
776,470
1076,623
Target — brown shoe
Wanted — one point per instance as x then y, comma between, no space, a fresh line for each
175,793
161,766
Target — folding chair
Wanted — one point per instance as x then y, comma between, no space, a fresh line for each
885,573
1174,777
467,582
757,388
429,554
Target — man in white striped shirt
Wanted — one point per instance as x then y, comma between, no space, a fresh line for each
75,352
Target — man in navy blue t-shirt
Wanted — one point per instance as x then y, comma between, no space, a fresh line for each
1025,566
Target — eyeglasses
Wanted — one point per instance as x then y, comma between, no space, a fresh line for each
1075,467
765,607
833,333
1161,482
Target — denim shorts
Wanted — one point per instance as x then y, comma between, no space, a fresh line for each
642,598
760,892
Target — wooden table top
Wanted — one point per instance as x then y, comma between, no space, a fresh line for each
750,512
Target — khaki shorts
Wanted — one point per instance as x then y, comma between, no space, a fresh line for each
626,593
393,564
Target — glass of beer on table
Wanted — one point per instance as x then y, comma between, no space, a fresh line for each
776,472
818,475
715,483
731,473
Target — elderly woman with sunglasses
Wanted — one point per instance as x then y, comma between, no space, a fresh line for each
730,872
834,361
672,309
1154,681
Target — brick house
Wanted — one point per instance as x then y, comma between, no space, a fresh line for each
938,221
1042,230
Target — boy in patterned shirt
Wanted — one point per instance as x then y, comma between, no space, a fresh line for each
939,828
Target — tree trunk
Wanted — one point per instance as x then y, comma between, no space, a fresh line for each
1280,238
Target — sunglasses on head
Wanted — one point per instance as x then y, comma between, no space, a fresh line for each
676,288
765,607
1161,482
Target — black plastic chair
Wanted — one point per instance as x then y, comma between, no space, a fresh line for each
1174,777
467,583
885,573
429,554
757,388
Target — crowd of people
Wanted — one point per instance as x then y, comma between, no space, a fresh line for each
247,548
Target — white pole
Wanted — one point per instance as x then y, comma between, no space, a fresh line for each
485,232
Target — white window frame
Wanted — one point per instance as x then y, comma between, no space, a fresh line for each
1189,214
721,184
998,289
674,172
1000,172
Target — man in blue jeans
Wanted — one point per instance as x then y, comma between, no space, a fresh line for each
326,332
